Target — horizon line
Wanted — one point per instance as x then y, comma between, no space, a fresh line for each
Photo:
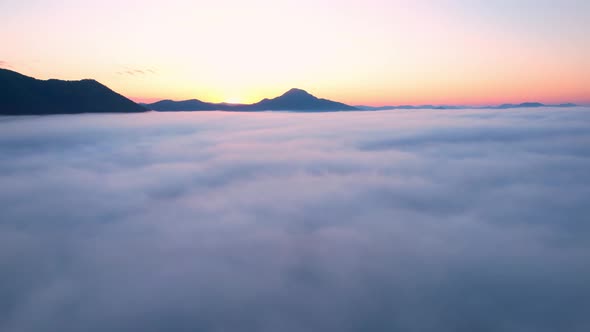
151,100
138,100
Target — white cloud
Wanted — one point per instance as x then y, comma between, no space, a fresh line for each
409,221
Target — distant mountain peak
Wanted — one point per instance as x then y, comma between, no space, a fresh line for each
297,92
299,100
294,90
292,100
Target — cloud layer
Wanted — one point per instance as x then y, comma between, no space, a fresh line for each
368,221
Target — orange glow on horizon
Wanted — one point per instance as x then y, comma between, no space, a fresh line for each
367,52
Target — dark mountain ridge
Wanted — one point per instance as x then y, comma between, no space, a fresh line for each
292,100
300,100
23,95
185,105
455,107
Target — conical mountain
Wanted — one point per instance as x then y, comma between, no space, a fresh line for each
300,100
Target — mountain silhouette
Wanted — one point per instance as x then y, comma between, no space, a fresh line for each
300,100
521,105
23,95
411,107
292,100
185,105
457,107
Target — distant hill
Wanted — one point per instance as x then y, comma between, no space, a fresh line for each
185,105
410,107
522,105
292,100
565,105
533,105
23,95
455,107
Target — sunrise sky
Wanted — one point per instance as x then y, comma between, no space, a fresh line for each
373,52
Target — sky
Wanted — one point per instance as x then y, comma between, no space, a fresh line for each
373,52
422,221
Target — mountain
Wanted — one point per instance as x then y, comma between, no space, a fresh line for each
532,105
292,100
565,105
409,107
522,105
23,95
457,107
185,105
300,100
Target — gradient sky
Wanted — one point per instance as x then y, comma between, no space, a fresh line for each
372,52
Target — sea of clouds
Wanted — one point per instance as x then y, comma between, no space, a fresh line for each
418,221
